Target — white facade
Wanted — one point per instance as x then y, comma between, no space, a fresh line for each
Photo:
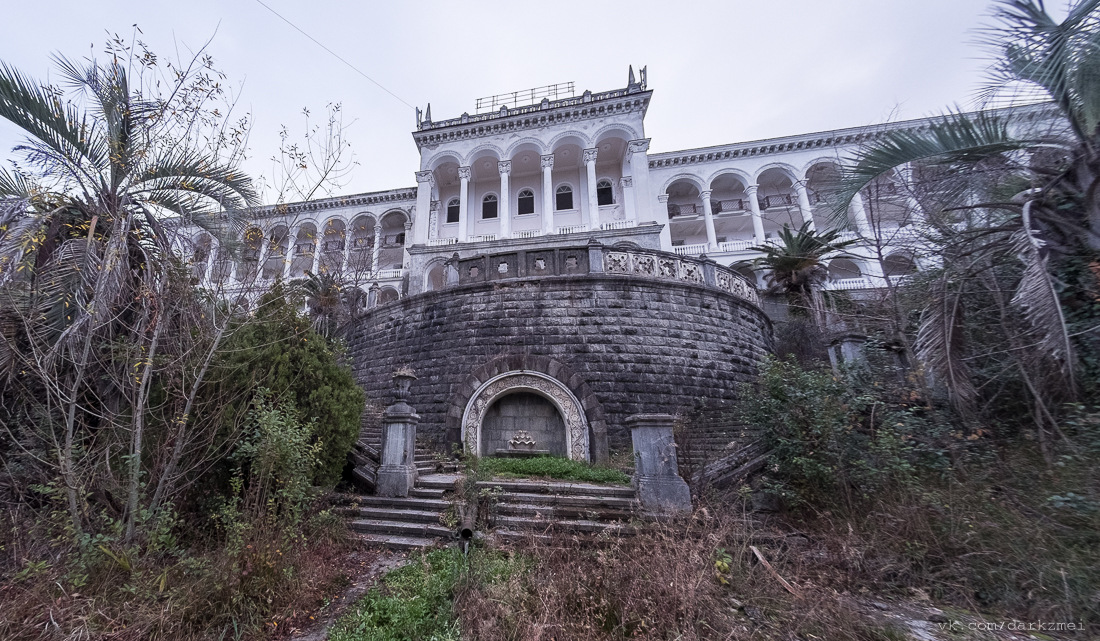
556,171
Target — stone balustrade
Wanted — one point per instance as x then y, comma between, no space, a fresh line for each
625,259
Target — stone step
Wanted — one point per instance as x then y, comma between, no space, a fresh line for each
558,512
397,542
398,528
411,502
426,493
563,525
403,515
438,481
559,487
576,501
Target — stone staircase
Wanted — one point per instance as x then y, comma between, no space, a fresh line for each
365,456
719,453
520,509
542,508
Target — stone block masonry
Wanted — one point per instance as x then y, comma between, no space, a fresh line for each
621,344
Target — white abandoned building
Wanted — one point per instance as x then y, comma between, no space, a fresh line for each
546,265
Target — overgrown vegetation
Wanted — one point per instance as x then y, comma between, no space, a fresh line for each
552,467
164,453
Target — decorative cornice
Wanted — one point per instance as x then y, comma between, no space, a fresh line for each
821,140
637,147
601,105
361,200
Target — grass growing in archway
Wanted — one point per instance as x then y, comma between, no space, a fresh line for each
552,467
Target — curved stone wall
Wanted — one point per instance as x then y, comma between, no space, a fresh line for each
622,342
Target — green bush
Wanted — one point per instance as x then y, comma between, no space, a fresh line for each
552,467
836,437
278,351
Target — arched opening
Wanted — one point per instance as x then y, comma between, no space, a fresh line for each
898,265
253,240
843,269
489,206
277,252
526,202
605,194
436,278
332,247
305,248
523,416
387,295
563,198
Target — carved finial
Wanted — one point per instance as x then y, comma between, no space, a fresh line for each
642,75
418,114
630,80
428,114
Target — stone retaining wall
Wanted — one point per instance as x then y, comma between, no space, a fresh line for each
622,345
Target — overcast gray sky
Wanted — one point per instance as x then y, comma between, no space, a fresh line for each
721,71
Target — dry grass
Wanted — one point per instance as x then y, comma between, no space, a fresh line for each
692,580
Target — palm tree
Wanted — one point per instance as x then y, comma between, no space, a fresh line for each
794,267
326,302
87,257
1056,216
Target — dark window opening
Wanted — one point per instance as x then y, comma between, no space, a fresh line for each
604,194
564,198
452,211
399,240
489,206
526,202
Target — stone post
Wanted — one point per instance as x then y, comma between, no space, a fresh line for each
397,474
372,295
450,271
595,257
656,475
804,204
863,225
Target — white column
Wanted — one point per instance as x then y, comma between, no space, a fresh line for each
377,250
548,194
425,184
754,206
917,217
862,224
207,273
316,252
261,257
288,256
804,204
593,202
406,257
433,220
627,183
463,202
644,192
347,250
708,219
504,209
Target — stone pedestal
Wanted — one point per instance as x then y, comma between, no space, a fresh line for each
397,474
656,474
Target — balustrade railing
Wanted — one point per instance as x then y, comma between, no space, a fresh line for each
334,245
618,224
483,238
725,206
302,249
572,229
384,274
436,242
782,200
736,245
690,250
527,233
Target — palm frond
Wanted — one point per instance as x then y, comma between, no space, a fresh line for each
1037,297
59,126
953,139
940,346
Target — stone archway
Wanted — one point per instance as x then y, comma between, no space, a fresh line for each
572,413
